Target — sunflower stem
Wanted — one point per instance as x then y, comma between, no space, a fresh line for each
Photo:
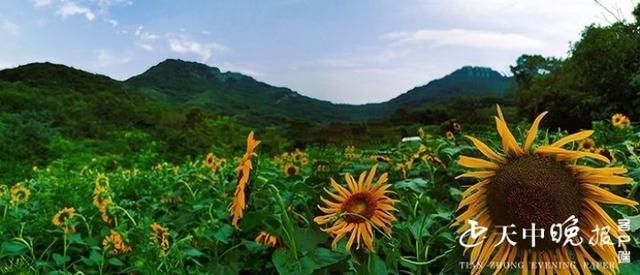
64,250
186,184
288,225
127,214
85,223
633,191
419,245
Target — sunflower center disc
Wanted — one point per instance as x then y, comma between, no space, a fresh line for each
532,189
361,205
291,170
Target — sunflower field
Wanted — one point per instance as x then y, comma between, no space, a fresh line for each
394,209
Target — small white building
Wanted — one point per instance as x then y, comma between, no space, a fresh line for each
411,139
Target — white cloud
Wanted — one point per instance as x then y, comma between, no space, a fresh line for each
107,58
466,38
41,3
106,3
145,39
144,46
90,9
69,8
9,27
184,45
144,35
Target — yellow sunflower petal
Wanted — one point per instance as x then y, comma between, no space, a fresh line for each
603,196
533,132
485,150
600,179
351,182
573,137
341,190
599,171
499,111
477,174
508,140
566,155
369,179
474,187
470,162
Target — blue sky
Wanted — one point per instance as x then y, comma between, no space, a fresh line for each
343,51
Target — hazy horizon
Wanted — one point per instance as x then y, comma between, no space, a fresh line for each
356,52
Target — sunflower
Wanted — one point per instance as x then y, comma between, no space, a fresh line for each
415,156
587,145
63,219
290,169
160,236
214,163
450,135
244,169
209,160
358,209
433,159
456,126
621,121
304,161
381,158
298,155
607,154
19,194
115,244
545,186
101,197
267,239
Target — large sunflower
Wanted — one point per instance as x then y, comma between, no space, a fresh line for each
358,209
244,169
545,186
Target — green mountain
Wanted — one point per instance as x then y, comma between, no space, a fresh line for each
82,103
86,104
193,84
51,112
466,81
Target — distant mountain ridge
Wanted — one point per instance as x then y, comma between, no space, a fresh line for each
465,81
190,84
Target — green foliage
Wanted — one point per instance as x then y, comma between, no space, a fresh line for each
598,79
24,143
191,201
